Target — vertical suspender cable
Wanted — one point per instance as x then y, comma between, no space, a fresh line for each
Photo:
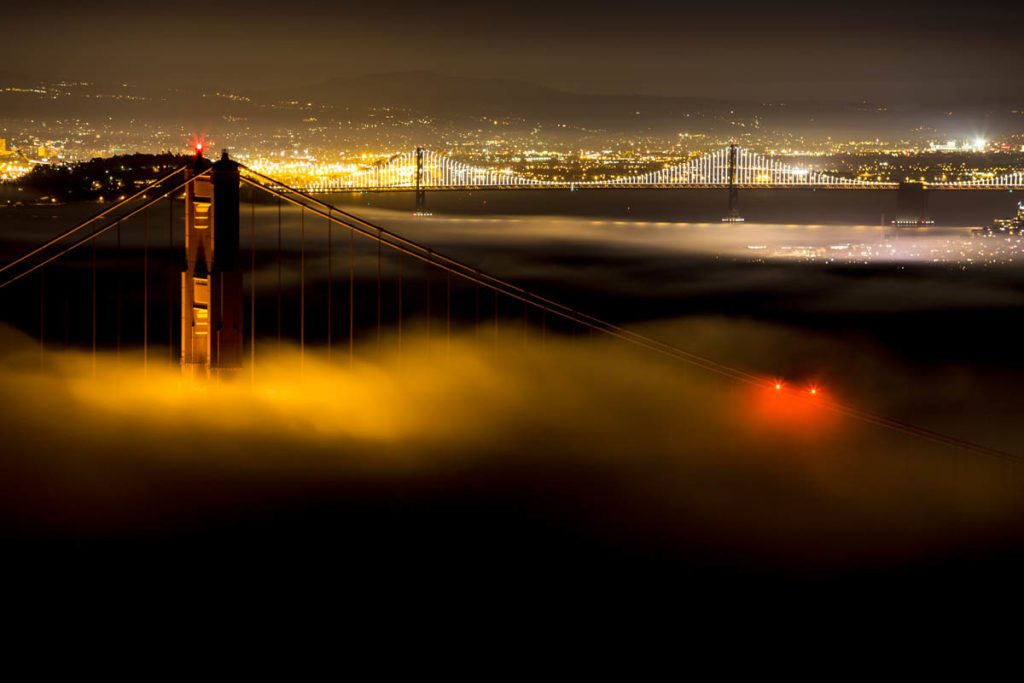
428,301
400,273
42,316
252,284
351,297
170,280
278,273
302,288
145,292
526,315
94,300
379,247
448,311
330,284
117,284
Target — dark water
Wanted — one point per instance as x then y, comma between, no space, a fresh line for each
857,207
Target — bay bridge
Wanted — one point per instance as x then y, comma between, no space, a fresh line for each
117,280
732,168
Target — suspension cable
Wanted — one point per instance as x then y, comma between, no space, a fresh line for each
612,330
96,233
373,231
89,221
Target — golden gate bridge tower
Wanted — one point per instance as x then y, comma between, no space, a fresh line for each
211,284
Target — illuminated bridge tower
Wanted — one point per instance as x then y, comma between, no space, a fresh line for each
734,193
421,194
211,285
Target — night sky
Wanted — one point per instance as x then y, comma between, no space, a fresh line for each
875,50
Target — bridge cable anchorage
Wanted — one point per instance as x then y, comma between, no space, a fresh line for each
96,233
89,221
453,267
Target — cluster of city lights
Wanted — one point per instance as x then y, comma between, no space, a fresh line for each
966,251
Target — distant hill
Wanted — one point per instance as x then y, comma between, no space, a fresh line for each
460,98
111,178
354,104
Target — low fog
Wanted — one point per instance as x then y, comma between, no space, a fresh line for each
601,441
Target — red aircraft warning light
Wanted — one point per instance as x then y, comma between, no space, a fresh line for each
198,143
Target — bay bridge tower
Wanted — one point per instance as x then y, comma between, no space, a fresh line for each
734,194
211,284
421,194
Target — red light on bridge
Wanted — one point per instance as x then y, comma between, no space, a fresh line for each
796,408
198,143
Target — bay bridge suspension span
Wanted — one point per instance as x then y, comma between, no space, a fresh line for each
209,315
733,168
425,169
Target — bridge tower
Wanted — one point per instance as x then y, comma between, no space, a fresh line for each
211,284
734,193
421,194
912,205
